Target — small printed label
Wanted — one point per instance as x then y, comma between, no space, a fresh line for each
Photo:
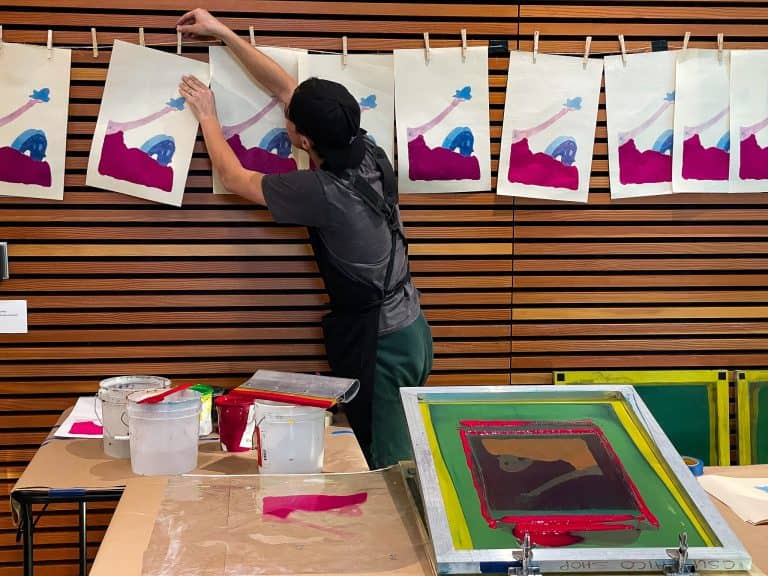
247,440
13,316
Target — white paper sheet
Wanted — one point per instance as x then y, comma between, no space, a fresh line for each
749,121
747,497
640,109
145,134
443,126
700,161
549,127
34,103
370,78
13,317
252,119
87,410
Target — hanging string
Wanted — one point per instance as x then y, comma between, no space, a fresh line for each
193,43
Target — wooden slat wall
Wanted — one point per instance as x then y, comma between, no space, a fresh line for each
215,290
667,282
512,288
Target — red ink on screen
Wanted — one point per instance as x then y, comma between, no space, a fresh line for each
553,475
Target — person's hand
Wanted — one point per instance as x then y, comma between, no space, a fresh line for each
198,23
199,97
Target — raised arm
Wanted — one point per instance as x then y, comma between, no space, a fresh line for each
236,179
267,72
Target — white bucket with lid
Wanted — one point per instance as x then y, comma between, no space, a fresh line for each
164,435
113,393
290,439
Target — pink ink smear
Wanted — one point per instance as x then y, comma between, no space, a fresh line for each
439,163
700,163
86,427
133,165
260,160
539,169
18,168
284,506
647,167
754,160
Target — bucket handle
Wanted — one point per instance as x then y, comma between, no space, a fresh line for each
96,405
100,417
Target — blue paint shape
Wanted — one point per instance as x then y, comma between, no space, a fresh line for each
161,148
664,142
277,141
464,94
338,432
670,96
763,488
33,142
44,95
564,149
177,103
725,142
573,103
368,102
460,139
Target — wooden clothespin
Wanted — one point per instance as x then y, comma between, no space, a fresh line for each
252,35
720,42
587,46
178,41
464,45
50,44
344,51
94,43
686,39
141,37
427,50
1,38
623,47
535,45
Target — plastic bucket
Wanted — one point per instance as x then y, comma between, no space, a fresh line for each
113,393
237,421
206,404
290,438
163,436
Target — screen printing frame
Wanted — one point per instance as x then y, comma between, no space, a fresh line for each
729,556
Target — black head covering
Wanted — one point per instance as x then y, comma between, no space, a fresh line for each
326,113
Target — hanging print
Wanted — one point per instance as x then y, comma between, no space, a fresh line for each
749,121
549,127
700,157
34,101
145,133
253,120
370,78
443,131
640,106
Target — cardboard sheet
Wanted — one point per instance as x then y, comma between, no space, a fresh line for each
81,463
285,524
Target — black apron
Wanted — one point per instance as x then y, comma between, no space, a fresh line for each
351,328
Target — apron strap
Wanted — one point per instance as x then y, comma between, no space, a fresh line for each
386,206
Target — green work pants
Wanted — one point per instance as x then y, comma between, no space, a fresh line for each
403,359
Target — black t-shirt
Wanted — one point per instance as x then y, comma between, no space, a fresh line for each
357,238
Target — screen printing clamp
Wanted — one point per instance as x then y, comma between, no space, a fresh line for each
680,566
524,565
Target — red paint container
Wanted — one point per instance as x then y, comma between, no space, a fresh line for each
236,422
